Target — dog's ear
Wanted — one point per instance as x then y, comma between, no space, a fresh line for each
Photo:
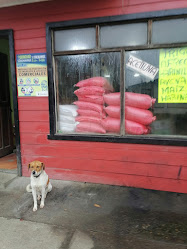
29,166
43,166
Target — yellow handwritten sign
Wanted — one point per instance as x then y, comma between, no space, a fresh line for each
172,83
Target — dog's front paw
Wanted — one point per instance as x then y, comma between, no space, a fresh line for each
34,209
41,205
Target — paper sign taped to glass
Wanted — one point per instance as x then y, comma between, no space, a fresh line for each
32,74
172,84
142,67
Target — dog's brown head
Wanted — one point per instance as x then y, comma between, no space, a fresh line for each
36,167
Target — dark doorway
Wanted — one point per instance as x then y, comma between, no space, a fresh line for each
10,156
6,131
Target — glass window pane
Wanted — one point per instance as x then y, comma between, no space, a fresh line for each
81,108
169,31
123,35
158,74
75,39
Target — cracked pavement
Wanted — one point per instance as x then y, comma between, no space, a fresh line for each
92,216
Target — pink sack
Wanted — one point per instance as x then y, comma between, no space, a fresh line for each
90,127
111,124
148,130
91,113
92,98
131,127
113,111
90,90
96,81
88,119
142,101
112,99
138,100
89,106
134,128
141,116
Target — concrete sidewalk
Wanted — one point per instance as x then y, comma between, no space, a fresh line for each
86,216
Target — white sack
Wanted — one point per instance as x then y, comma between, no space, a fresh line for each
66,119
65,127
68,110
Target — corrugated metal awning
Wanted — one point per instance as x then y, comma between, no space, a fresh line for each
7,3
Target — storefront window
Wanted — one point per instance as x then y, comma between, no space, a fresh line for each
82,81
169,30
120,80
75,39
137,35
167,88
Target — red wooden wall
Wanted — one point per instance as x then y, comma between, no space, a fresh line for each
144,166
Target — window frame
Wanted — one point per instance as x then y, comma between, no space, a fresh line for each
110,20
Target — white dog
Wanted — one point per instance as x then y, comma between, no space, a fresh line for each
40,184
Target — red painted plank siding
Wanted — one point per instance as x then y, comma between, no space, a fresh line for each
28,17
29,33
118,179
37,42
42,137
127,168
34,127
30,51
112,154
33,116
183,174
34,103
145,166
58,7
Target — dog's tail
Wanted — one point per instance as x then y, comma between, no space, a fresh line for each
28,188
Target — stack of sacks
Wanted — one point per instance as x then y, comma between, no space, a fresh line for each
137,116
90,104
66,118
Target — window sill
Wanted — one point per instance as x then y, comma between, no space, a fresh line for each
169,140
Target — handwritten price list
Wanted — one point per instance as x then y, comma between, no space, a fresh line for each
172,84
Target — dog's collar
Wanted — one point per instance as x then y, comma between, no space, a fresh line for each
37,175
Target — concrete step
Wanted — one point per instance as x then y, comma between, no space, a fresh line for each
6,179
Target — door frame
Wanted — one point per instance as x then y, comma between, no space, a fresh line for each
9,33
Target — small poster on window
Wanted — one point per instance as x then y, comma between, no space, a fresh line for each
172,84
32,74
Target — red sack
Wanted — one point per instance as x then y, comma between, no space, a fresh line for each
138,100
92,98
131,127
89,106
88,119
141,116
91,113
90,127
90,90
96,81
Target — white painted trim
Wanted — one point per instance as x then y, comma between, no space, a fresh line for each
8,3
